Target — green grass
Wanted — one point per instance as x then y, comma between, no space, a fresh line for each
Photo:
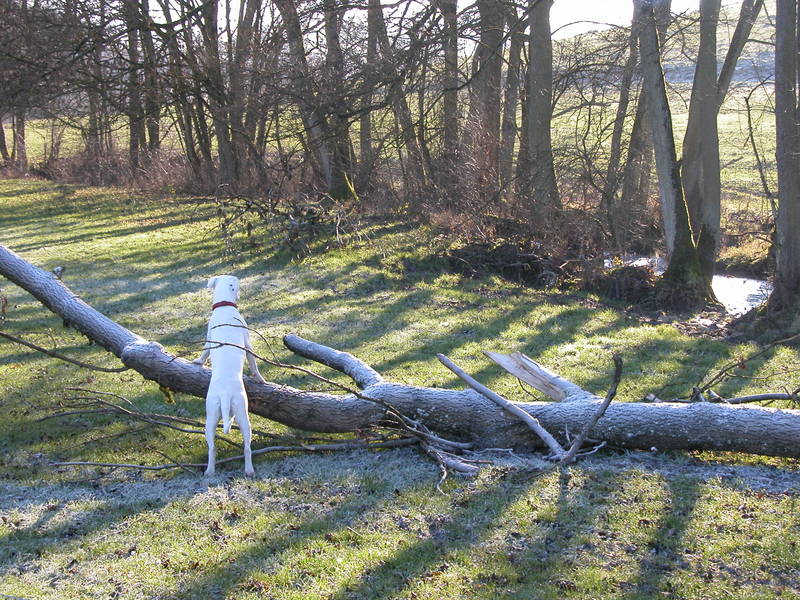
357,524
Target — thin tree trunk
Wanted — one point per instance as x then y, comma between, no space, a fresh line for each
786,294
339,127
449,10
152,104
509,129
313,121
700,159
485,104
608,199
747,18
136,125
217,96
366,150
20,150
415,167
541,170
3,148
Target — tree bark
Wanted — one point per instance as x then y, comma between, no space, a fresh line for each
416,179
541,169
463,414
608,201
20,149
485,103
449,10
3,148
700,157
683,276
786,294
313,120
509,130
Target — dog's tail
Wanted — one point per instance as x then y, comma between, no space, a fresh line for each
225,405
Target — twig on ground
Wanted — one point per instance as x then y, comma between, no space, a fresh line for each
612,391
350,445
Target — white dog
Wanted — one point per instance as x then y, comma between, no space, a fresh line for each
226,341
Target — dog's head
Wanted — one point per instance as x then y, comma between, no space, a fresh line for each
226,287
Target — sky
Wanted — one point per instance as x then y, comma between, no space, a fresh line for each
594,13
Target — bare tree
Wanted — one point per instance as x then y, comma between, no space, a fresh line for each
700,166
509,129
683,275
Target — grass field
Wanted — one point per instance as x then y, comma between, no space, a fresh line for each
355,524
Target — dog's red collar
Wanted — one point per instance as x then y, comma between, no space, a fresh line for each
224,303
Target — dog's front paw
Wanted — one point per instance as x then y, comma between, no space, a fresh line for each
249,473
210,471
259,379
199,361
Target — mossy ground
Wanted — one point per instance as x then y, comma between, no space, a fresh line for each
357,524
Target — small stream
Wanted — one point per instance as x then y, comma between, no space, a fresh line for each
737,294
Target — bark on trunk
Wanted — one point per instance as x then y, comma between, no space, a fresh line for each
541,170
313,120
683,277
3,148
485,104
787,274
20,149
700,157
449,9
462,414
608,199
516,26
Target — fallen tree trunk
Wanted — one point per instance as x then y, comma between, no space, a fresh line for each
462,414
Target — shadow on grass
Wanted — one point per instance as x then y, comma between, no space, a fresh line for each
664,551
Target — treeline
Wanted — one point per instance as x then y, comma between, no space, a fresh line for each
467,115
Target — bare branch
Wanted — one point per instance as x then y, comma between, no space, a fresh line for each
526,418
79,363
612,391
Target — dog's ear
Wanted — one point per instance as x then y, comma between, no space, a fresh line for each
211,283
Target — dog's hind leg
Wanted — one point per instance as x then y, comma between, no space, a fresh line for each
212,418
239,407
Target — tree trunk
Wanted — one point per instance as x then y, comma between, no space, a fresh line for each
700,159
541,170
20,149
509,130
463,414
786,294
366,149
608,199
416,178
136,125
449,10
3,148
218,95
313,120
485,104
152,108
683,276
